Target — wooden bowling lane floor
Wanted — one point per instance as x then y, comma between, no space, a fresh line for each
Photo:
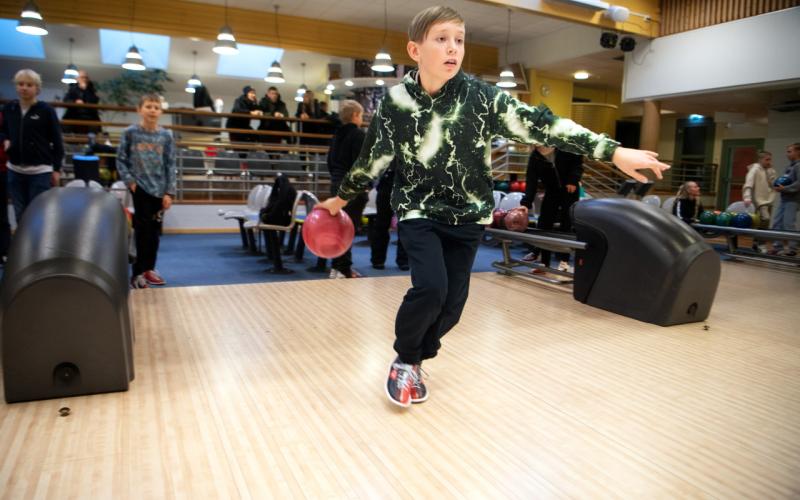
276,390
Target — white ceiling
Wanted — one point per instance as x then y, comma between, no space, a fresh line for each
486,24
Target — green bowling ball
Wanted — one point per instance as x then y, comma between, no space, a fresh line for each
724,219
756,220
503,186
708,217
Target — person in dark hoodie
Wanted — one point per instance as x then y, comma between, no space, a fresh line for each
82,92
33,143
345,148
272,105
439,123
5,228
278,212
247,105
560,173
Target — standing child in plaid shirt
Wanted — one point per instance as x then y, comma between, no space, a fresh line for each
146,164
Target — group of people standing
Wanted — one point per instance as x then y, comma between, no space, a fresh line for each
272,106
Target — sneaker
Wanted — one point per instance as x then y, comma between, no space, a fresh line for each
530,257
378,266
790,253
774,251
355,274
153,278
139,282
565,267
419,392
336,275
403,267
400,383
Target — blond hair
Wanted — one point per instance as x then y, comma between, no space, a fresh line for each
348,110
422,22
683,191
148,97
28,74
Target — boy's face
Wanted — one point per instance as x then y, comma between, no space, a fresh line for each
273,95
27,89
150,110
441,52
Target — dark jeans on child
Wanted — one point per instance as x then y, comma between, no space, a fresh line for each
147,220
354,208
441,258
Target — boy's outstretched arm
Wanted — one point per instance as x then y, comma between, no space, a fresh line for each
537,125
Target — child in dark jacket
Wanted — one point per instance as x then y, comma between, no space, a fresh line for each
33,143
439,123
345,148
560,173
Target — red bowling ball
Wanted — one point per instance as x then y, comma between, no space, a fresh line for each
326,235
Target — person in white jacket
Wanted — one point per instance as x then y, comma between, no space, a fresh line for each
758,193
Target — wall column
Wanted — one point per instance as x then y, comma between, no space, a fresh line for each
651,120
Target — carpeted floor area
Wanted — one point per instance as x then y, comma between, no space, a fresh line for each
219,259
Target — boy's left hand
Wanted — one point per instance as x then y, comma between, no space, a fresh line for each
630,160
166,202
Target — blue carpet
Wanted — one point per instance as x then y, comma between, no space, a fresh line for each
219,259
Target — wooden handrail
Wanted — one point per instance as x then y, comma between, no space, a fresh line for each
210,130
177,111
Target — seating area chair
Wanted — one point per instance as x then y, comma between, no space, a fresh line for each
668,203
739,206
498,197
272,231
652,199
256,199
511,200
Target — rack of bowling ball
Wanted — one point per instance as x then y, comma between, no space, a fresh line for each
512,186
732,225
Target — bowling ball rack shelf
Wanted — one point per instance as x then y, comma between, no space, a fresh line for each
547,241
733,251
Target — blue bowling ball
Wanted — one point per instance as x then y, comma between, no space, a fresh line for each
783,180
742,220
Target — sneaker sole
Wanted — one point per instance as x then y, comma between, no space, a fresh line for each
394,401
415,401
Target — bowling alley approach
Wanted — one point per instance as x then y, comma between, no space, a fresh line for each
338,249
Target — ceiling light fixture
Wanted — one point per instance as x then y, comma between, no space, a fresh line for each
507,80
226,42
581,75
71,73
31,21
383,61
193,82
302,89
275,72
133,59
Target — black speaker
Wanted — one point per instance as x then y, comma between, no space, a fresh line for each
642,262
608,40
627,44
66,327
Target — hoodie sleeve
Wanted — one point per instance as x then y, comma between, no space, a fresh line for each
169,165
124,159
574,169
376,155
795,186
57,140
538,125
531,181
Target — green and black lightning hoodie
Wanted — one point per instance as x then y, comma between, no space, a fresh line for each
442,146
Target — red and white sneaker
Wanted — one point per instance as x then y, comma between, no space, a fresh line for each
153,278
139,282
400,383
419,392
